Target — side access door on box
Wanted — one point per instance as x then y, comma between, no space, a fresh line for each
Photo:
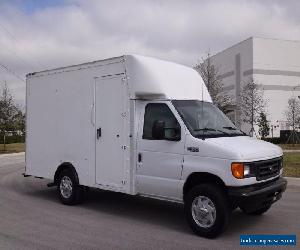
112,133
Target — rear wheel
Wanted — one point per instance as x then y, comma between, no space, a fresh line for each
207,210
69,191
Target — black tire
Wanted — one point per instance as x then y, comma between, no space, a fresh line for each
258,211
221,207
76,195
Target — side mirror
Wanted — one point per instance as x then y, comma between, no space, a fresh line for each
158,130
172,134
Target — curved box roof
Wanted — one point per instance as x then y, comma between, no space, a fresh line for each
155,78
149,78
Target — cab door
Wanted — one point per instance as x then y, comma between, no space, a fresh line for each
159,161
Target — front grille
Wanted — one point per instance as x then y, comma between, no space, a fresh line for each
267,169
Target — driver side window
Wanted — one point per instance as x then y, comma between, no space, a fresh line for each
159,112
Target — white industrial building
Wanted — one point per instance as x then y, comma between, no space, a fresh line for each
273,64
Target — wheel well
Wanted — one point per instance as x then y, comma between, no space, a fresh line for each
62,167
199,178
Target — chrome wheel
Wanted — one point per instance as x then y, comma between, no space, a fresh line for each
66,187
203,211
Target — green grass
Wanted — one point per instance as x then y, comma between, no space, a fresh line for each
291,164
12,148
290,146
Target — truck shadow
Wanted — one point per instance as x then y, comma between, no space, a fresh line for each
161,213
146,210
137,208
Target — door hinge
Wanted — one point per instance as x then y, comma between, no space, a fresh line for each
124,147
123,182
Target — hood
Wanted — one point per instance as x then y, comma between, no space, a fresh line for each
248,148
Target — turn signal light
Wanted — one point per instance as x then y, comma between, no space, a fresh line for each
237,170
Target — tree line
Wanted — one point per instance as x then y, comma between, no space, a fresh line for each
12,116
252,107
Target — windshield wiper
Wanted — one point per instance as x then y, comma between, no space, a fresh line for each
232,128
204,129
210,129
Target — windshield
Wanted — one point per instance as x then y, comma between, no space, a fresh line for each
203,119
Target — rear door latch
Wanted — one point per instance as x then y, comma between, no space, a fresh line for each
98,133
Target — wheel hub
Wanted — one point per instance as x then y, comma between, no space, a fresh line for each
66,187
203,211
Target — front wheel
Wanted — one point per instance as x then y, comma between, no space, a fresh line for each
68,189
207,210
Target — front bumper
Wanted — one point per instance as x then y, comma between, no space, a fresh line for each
256,196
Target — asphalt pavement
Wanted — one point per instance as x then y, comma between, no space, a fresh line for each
31,217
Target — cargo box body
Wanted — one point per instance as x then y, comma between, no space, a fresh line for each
68,108
61,108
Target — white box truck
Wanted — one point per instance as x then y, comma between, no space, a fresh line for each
147,127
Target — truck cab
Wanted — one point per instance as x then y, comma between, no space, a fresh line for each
186,146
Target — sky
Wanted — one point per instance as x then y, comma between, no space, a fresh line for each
43,34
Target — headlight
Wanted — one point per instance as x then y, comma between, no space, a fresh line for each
241,170
281,163
246,170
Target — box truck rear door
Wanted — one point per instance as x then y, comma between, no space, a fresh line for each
111,132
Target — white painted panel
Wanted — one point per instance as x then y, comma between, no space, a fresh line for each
159,171
59,124
111,145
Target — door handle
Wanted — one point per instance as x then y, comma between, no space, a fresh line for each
98,133
140,157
